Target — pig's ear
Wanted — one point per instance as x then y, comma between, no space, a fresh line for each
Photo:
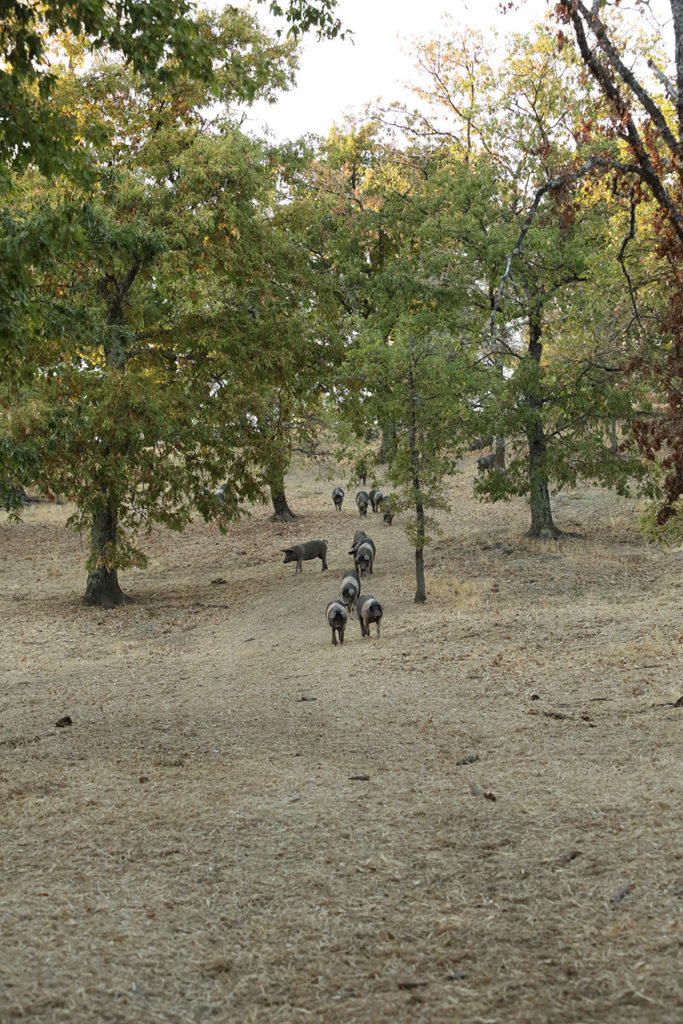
286,551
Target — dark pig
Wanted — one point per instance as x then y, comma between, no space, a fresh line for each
389,513
337,498
350,589
369,610
301,553
337,618
486,462
362,500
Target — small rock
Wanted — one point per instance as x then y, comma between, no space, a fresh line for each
478,791
621,893
569,856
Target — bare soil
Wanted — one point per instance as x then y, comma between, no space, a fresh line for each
475,818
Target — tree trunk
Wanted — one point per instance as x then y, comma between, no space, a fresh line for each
421,590
388,444
282,513
499,458
542,524
102,587
613,437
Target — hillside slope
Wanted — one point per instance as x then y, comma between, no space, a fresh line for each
476,817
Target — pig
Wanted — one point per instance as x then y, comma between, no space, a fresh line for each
389,513
486,462
363,551
362,500
358,538
337,617
376,499
368,610
337,498
350,589
364,557
301,553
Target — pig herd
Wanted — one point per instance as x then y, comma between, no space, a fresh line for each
368,609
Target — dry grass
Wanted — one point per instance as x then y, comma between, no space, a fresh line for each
475,818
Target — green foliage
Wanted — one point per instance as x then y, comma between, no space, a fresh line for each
118,132
303,16
404,285
19,461
667,533
564,320
155,39
181,314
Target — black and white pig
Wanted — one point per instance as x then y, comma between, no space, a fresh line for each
350,589
376,500
363,551
369,610
337,618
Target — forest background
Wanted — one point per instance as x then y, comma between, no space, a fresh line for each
184,305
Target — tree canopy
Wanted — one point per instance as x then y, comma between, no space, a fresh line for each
182,302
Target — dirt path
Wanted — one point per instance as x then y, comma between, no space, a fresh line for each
476,818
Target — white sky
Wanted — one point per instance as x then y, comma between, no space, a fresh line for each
338,77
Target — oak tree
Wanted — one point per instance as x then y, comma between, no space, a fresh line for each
141,323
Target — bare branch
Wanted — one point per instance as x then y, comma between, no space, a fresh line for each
671,90
630,235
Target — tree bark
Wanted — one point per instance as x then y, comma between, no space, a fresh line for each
499,458
421,590
102,587
282,513
539,494
613,436
387,445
